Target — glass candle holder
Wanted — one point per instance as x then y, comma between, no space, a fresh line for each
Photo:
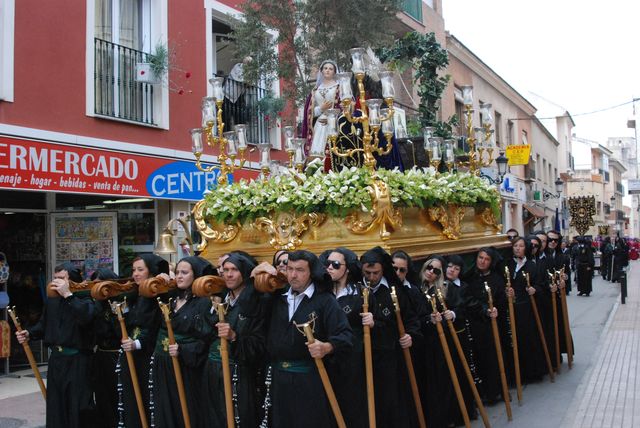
299,156
374,111
241,133
232,142
218,87
344,80
196,140
265,155
357,60
427,133
436,148
386,78
467,95
485,112
332,121
387,125
208,112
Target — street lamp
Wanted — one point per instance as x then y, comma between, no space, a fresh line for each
559,186
502,162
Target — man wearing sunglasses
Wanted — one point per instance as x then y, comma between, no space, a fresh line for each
379,275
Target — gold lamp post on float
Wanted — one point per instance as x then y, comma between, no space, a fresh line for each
480,140
372,117
231,145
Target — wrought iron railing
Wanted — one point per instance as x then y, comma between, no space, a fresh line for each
117,93
241,107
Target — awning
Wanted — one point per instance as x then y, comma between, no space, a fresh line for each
535,211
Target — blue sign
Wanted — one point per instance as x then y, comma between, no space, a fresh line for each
180,180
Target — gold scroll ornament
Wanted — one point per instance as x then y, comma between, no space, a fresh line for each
382,214
450,218
285,230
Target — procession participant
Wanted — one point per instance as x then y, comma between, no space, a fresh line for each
105,359
142,320
245,330
280,259
403,266
546,266
605,259
620,258
584,263
388,363
298,397
455,296
565,250
66,326
348,375
532,361
560,262
486,271
191,330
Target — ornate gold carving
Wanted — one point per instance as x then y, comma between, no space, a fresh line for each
227,234
450,218
285,230
382,213
489,219
165,344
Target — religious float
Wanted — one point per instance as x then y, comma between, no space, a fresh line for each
445,208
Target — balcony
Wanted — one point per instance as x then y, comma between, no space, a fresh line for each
619,187
117,93
241,107
413,8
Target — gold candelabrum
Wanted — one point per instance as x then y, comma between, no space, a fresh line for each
372,118
481,140
231,145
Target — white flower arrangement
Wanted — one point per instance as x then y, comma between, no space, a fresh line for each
338,194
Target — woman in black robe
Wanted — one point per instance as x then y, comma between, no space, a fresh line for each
434,281
142,319
485,272
348,374
532,361
245,330
188,320
585,263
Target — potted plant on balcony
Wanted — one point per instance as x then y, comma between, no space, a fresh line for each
156,66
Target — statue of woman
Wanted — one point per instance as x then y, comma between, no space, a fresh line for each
325,95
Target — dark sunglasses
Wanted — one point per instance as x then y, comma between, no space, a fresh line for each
334,264
435,270
512,237
282,262
535,245
400,269
553,239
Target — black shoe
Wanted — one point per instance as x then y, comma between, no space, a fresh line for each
588,294
581,294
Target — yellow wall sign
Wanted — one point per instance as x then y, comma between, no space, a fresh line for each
518,155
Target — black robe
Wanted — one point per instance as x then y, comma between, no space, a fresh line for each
247,318
391,382
66,326
443,407
297,393
532,361
584,268
561,261
483,344
142,320
546,265
191,332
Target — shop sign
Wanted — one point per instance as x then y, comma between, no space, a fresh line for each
518,155
41,166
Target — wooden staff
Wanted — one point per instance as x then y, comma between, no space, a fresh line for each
226,371
543,341
452,369
368,361
514,336
27,351
307,330
122,285
132,366
465,364
567,327
496,341
407,359
554,307
164,307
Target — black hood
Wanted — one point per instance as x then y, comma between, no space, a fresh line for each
379,255
244,265
75,274
155,264
200,266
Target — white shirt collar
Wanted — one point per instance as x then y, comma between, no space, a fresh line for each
456,282
307,292
406,283
294,300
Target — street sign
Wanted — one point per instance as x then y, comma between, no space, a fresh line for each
518,155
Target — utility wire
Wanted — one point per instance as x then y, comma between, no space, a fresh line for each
581,114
